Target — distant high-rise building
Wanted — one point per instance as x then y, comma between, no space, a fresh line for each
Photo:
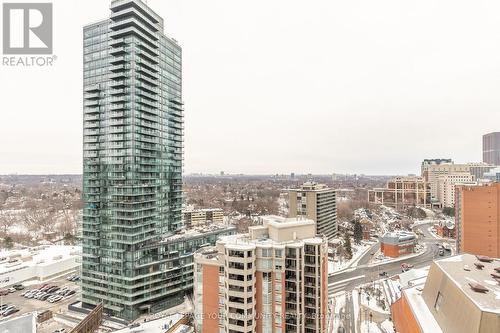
491,148
316,202
273,279
135,258
432,161
447,185
435,172
477,215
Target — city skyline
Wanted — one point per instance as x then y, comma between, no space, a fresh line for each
417,93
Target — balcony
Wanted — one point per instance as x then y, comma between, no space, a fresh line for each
133,21
116,51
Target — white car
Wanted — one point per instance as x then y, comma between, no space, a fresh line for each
55,299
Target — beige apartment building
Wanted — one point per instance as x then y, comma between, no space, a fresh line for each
447,184
402,192
434,172
196,217
460,295
272,280
316,202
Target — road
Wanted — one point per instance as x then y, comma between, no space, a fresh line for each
363,273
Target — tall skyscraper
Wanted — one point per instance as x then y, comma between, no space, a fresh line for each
316,202
491,148
273,279
135,259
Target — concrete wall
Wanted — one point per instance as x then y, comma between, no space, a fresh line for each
457,313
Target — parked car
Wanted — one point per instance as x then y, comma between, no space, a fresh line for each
51,289
12,290
6,309
383,274
61,330
10,311
4,292
71,292
4,306
44,297
18,286
55,298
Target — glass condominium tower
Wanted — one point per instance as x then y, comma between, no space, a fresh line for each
132,158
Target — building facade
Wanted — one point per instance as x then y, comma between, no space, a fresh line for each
272,280
446,187
491,148
195,217
424,166
395,244
316,202
477,219
402,192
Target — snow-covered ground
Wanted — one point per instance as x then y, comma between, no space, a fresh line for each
357,252
387,326
339,304
367,327
355,302
370,301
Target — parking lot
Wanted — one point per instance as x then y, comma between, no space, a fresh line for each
29,305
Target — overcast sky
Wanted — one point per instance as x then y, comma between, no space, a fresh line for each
270,87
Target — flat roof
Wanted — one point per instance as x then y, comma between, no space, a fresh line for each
453,267
153,326
38,255
199,231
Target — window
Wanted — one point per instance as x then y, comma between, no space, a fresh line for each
439,301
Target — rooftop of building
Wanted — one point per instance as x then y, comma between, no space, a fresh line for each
198,231
462,270
292,232
414,277
400,235
192,209
312,186
285,222
40,255
154,326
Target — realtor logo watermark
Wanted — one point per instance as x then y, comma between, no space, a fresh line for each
27,30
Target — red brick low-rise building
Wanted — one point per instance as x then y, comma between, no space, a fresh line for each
446,229
395,244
